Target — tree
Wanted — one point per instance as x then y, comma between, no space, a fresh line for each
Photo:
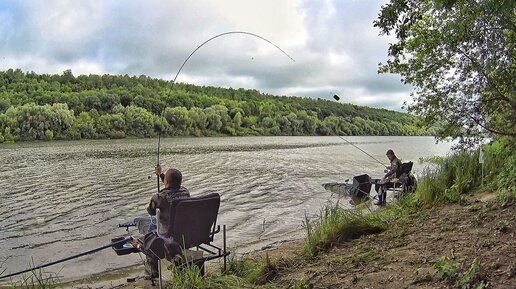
111,126
459,55
199,120
46,106
33,122
179,120
237,120
84,125
214,119
139,121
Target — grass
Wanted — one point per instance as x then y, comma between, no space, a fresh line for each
302,283
37,280
450,271
450,179
335,224
241,273
362,259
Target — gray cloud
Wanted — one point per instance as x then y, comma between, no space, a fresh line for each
334,44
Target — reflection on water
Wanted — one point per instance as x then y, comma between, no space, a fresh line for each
62,198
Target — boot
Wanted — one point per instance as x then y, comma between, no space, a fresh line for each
384,198
379,200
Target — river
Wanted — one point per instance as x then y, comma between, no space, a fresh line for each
62,198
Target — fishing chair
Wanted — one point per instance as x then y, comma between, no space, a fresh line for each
405,183
194,226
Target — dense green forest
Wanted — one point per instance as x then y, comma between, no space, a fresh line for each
45,107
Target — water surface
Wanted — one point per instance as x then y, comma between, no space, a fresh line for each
62,198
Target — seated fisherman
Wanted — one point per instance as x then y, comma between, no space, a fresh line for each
385,183
172,190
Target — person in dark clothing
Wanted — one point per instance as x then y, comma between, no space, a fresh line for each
386,183
172,190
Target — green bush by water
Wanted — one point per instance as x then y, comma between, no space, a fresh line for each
460,174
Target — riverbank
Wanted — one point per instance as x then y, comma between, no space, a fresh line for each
461,244
449,246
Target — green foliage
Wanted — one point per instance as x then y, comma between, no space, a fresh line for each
34,122
238,265
449,179
262,272
459,56
8,137
139,121
188,276
84,125
302,283
505,181
446,269
449,270
36,107
241,273
256,272
458,174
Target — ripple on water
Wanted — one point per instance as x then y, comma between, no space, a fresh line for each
63,198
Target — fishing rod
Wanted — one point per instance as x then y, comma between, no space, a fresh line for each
337,98
188,58
123,241
363,151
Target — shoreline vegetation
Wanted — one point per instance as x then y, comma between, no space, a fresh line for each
64,107
455,231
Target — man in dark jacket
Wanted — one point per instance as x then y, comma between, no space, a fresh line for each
172,190
385,183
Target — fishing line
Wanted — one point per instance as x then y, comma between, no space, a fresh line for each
337,98
363,151
188,58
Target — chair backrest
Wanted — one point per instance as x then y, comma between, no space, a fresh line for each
194,219
406,168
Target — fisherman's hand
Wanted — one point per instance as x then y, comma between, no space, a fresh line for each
158,170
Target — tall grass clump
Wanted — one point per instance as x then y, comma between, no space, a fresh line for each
37,280
238,265
505,182
241,273
335,224
449,179
189,277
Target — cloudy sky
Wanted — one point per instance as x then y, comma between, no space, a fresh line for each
334,44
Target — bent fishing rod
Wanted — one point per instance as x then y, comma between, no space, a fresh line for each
337,98
362,151
123,241
184,63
